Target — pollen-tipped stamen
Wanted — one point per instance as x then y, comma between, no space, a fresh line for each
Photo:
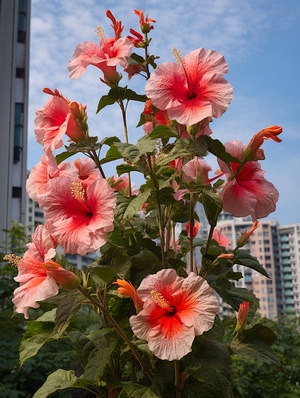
78,191
181,61
12,259
159,299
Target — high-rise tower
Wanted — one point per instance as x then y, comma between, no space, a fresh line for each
14,78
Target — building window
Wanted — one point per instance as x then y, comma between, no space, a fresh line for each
18,131
20,73
22,21
16,192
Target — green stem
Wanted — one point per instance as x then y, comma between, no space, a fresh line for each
123,110
160,218
113,323
93,155
177,379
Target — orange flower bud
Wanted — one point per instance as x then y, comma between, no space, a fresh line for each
253,151
242,316
127,289
246,235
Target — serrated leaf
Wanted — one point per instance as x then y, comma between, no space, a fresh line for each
135,205
128,151
242,257
58,380
134,390
66,308
104,273
35,336
96,351
256,343
146,146
112,154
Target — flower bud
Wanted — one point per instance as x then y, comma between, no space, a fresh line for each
67,279
242,316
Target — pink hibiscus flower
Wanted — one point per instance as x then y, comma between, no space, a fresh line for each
246,192
58,117
38,275
220,238
192,89
175,310
105,56
80,212
41,173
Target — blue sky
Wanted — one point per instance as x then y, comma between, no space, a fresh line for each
260,40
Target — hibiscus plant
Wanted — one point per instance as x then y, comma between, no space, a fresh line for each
156,329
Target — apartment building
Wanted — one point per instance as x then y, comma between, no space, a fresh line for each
14,78
289,244
263,245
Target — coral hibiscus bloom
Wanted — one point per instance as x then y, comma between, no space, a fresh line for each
80,212
58,117
41,174
246,192
37,274
192,89
105,56
175,310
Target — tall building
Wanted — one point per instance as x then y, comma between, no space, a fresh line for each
264,246
289,243
14,79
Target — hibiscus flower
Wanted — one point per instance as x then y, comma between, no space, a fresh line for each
246,191
80,211
191,89
175,310
40,175
38,275
105,56
58,117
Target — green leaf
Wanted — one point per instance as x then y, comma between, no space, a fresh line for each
126,168
122,93
161,131
244,258
58,380
210,365
146,146
256,343
131,207
99,357
104,273
212,206
35,336
134,390
129,152
217,148
117,258
109,141
68,305
63,156
112,154
105,100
